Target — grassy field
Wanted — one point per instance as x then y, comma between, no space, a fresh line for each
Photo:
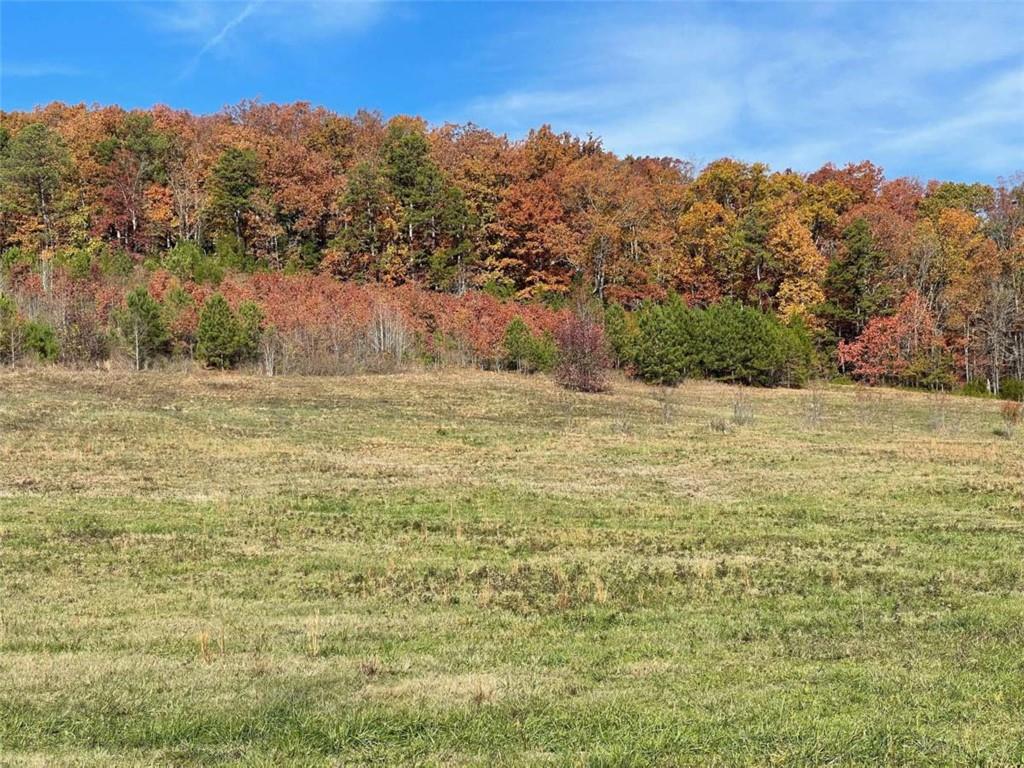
474,569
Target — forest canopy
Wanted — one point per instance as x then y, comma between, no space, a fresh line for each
896,280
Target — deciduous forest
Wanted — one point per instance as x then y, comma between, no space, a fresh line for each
298,240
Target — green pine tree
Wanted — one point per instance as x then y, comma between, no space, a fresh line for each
518,341
367,205
621,331
140,325
11,330
39,339
250,328
667,342
855,283
33,168
434,219
217,335
234,178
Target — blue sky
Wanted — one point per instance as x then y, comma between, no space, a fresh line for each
924,89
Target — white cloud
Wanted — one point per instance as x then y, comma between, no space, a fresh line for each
989,121
906,86
296,21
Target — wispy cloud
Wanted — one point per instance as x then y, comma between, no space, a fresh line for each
989,119
295,21
218,38
908,86
217,27
28,70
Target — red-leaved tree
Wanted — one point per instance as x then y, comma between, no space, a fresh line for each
904,348
582,355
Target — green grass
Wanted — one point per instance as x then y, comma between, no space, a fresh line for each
476,569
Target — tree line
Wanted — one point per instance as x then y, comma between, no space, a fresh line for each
889,280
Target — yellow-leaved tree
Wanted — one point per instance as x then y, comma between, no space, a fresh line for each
800,266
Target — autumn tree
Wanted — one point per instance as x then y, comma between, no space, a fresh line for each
967,265
704,232
732,184
969,198
477,164
653,197
582,354
90,194
863,179
800,268
538,250
906,347
593,190
133,161
301,194
187,165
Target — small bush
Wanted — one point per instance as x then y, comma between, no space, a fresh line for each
187,261
11,330
40,340
666,405
178,311
527,352
742,410
814,411
582,355
941,414
543,352
114,262
975,389
82,336
15,260
1011,413
718,425
517,343
76,262
229,252
1012,389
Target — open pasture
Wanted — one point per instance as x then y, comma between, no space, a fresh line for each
469,568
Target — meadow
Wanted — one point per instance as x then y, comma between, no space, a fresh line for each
473,568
